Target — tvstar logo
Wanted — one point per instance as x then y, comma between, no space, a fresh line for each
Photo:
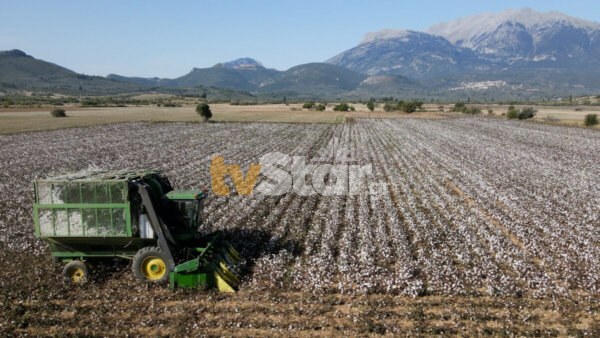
332,173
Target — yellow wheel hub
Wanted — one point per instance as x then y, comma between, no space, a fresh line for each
154,268
77,275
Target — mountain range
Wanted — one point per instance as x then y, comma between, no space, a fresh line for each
513,40
22,72
517,54
512,51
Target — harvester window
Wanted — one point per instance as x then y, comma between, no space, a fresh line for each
189,212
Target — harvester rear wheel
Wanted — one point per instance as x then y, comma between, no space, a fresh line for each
150,264
76,272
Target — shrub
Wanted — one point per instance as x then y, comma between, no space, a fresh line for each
459,107
352,108
409,107
512,112
203,110
371,105
441,108
320,107
308,105
471,110
58,112
591,120
527,113
342,107
388,106
490,111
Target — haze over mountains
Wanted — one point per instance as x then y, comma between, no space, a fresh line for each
513,54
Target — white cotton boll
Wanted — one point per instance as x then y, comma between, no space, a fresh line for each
526,221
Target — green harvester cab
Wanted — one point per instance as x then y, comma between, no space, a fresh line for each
134,215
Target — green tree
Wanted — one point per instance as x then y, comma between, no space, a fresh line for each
308,105
203,109
527,113
342,107
371,105
409,107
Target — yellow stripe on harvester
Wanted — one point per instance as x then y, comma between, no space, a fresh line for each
225,271
222,285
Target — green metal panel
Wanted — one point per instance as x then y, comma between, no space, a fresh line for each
88,214
184,194
94,204
193,273
82,247
77,254
190,280
82,220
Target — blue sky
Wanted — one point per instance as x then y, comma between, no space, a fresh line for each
168,38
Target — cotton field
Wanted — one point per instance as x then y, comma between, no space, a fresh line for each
468,207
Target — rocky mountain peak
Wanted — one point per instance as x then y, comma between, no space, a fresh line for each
387,34
13,52
243,63
465,31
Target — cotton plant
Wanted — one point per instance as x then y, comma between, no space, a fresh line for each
471,206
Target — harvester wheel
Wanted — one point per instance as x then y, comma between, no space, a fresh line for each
150,264
76,272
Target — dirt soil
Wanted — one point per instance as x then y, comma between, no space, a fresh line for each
117,305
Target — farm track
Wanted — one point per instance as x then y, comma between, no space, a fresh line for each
493,226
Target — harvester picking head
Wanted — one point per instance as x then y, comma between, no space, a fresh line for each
216,266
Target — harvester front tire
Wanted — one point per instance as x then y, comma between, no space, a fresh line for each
76,273
150,265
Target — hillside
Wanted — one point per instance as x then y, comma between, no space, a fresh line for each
408,53
314,79
225,77
19,71
246,74
547,54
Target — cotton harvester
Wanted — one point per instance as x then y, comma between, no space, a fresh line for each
133,215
